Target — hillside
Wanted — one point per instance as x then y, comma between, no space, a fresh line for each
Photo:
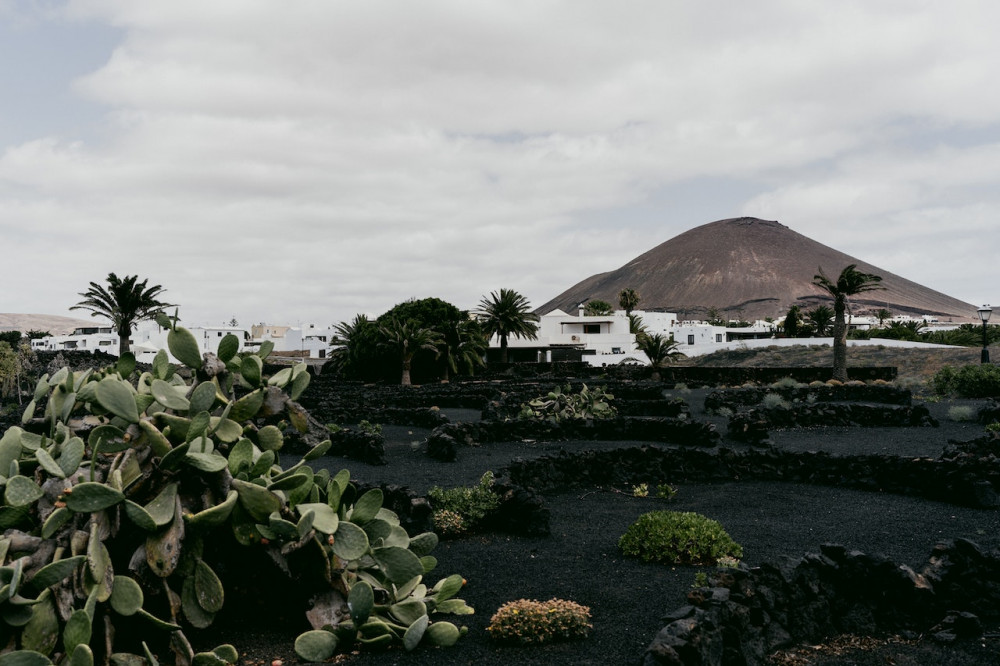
750,268
40,322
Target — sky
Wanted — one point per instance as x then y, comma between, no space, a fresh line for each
293,162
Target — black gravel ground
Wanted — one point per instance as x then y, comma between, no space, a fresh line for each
580,560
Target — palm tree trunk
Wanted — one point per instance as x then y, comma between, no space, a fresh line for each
406,374
839,343
124,341
503,349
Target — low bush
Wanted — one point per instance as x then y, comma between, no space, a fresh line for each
461,509
673,537
961,413
529,622
774,401
969,381
785,383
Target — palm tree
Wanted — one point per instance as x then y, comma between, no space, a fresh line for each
597,308
125,302
350,342
507,313
635,325
628,299
882,315
821,317
407,339
462,346
659,349
851,282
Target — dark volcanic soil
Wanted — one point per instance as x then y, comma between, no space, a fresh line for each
580,560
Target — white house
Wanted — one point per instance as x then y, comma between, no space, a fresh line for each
147,340
599,340
304,340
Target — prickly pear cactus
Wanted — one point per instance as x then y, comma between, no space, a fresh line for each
121,496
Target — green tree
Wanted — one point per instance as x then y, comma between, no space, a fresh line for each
628,299
635,325
431,313
715,317
792,319
354,345
821,318
659,349
406,339
462,347
506,313
882,315
12,338
597,308
125,302
850,282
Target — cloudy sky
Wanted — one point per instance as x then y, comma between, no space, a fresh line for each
306,161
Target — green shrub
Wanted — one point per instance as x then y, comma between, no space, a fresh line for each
665,491
785,383
449,523
961,413
470,504
178,479
370,428
529,622
674,537
562,404
969,381
774,401
640,490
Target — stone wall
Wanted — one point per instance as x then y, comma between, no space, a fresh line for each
749,613
958,478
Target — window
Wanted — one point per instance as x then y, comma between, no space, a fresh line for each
690,339
591,329
718,337
616,350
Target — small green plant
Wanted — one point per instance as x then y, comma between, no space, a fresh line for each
700,579
562,404
665,491
333,428
993,427
727,562
674,537
449,523
785,383
369,428
640,490
774,401
961,413
530,622
471,504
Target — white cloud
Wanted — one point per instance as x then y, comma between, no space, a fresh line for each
314,160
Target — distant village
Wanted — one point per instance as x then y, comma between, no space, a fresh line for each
598,340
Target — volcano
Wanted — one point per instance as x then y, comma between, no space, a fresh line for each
748,268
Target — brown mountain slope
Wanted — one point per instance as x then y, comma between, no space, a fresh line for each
751,268
54,324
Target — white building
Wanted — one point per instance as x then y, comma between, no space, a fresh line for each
304,341
147,340
600,340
